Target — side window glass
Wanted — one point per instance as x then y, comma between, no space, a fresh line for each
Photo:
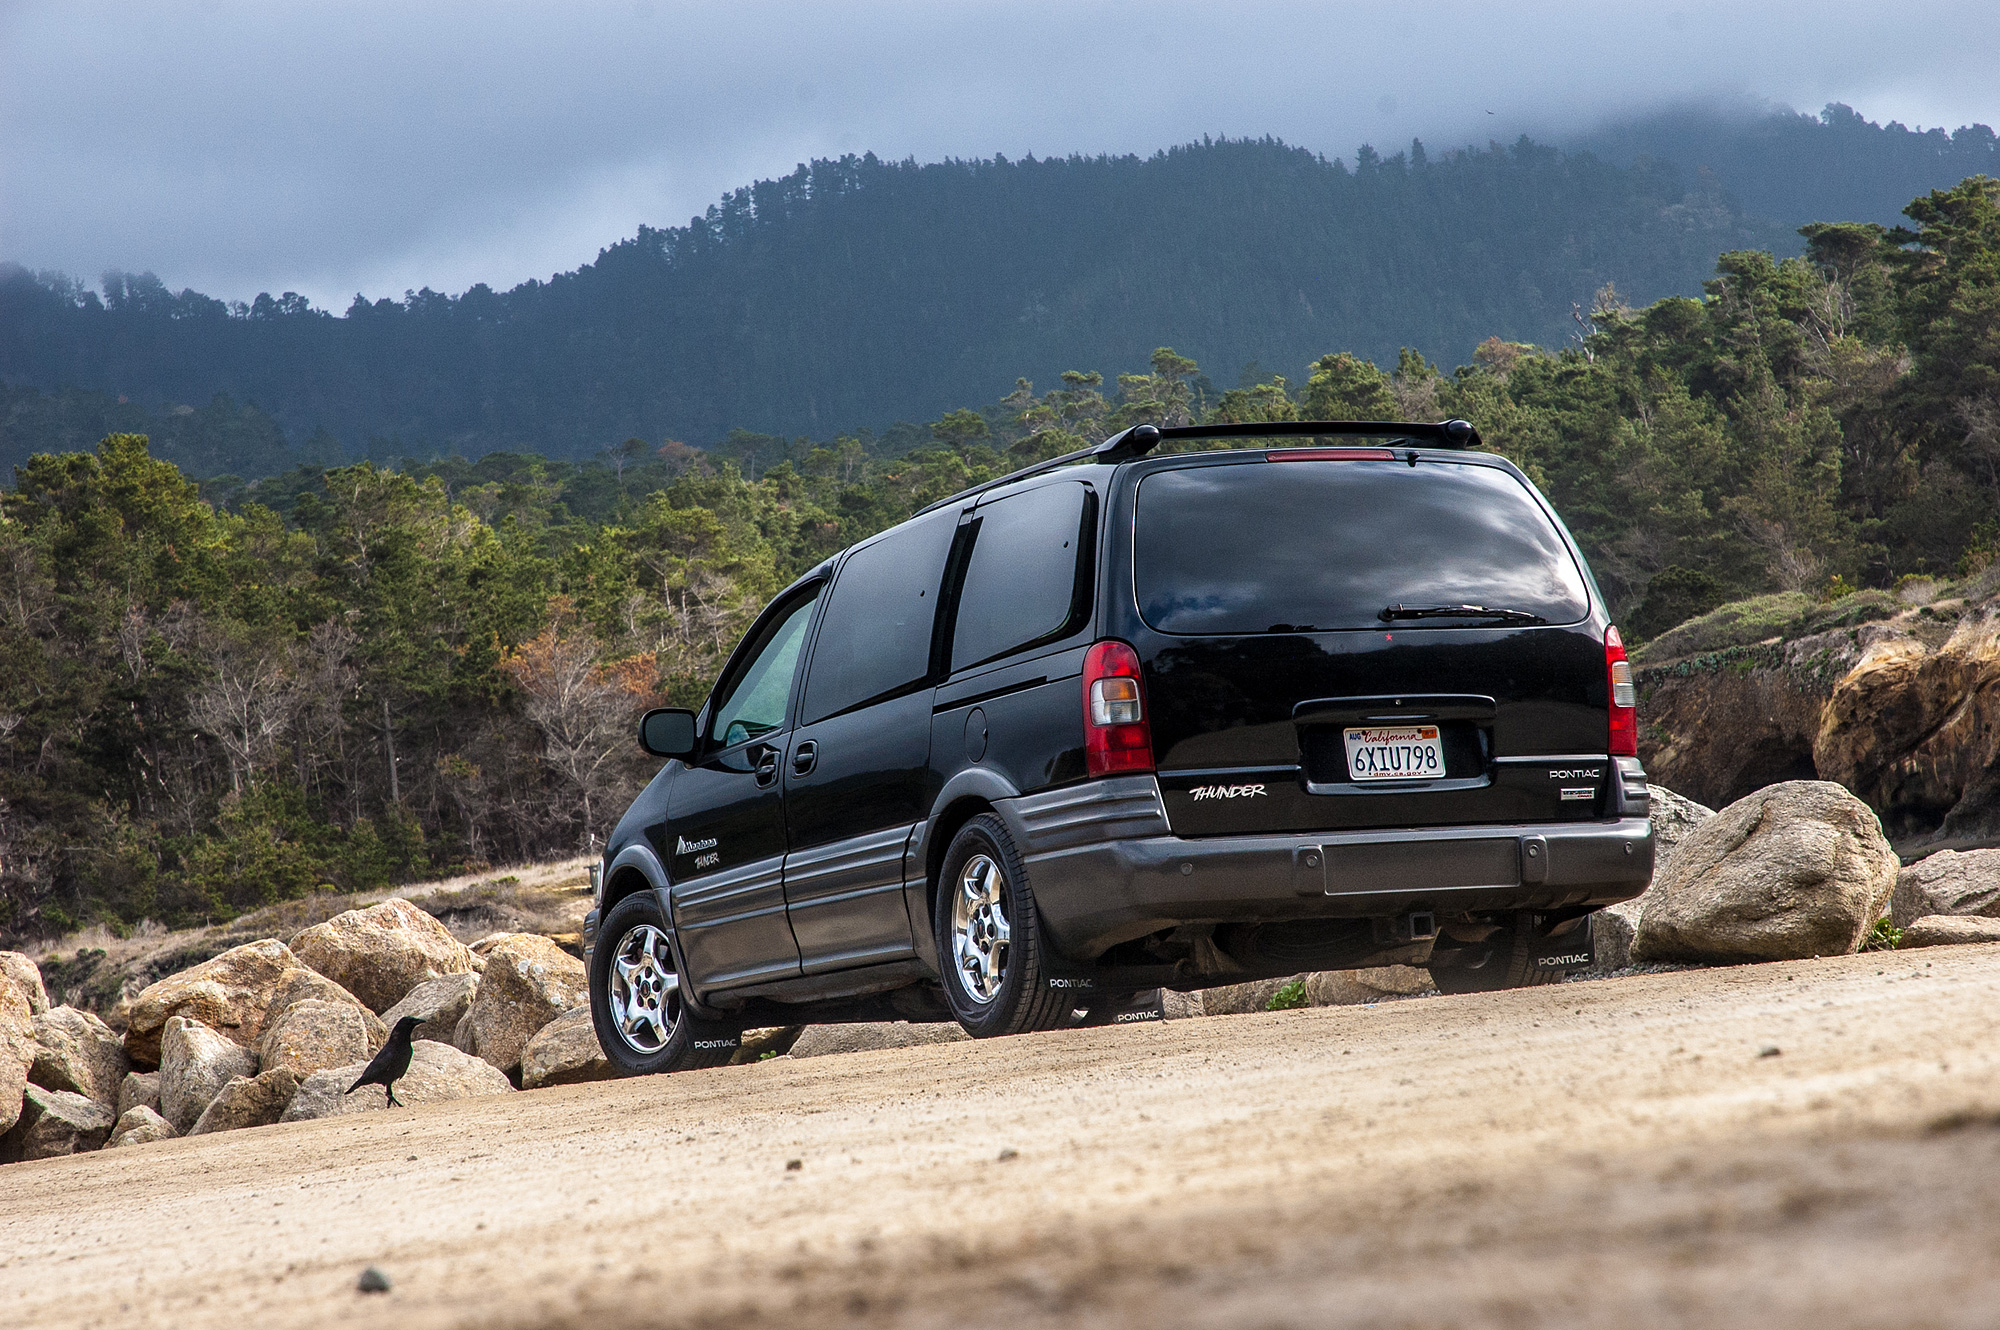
755,703
1021,584
875,637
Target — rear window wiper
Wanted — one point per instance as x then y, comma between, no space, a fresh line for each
1395,612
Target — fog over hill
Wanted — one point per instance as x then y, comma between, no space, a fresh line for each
855,292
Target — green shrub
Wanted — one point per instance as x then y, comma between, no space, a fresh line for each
1291,995
1885,936
1856,607
1738,623
1673,597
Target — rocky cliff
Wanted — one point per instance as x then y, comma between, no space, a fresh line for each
1896,697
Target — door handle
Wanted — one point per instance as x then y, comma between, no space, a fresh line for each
804,758
765,764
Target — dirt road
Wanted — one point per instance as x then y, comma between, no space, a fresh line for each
1616,1153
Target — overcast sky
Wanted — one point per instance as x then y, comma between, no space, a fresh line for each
242,147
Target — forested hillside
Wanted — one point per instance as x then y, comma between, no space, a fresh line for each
361,675
857,292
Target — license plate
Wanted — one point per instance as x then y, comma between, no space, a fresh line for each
1395,752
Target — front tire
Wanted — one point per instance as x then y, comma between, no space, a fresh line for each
989,938
642,1022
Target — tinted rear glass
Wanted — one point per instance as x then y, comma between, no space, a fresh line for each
1315,546
1021,584
875,636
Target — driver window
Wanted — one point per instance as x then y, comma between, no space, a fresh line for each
755,704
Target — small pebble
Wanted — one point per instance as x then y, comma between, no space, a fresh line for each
794,1165
1769,1051
374,1281
1009,1153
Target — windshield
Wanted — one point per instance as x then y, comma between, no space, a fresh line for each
1305,546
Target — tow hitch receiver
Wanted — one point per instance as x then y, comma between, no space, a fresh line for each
1417,926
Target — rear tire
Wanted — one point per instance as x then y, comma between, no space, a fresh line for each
642,1023
1504,960
989,938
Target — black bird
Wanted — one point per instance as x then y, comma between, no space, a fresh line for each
388,1066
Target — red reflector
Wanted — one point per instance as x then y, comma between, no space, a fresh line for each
1330,455
1116,735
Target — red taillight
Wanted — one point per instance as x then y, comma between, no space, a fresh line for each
1116,737
1624,698
1330,455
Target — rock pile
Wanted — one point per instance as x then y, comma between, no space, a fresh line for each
276,1030
230,993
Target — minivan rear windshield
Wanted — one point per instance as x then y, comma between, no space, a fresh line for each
1315,546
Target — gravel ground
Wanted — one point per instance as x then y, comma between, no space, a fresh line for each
1812,1143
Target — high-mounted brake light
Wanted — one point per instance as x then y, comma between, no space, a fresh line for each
1330,455
1624,697
1116,737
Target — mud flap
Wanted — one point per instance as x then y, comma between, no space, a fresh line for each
1563,945
1530,948
1125,1009
1061,974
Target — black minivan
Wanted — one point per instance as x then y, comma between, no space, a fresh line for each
1321,696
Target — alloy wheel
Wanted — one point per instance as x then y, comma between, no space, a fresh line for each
644,989
980,931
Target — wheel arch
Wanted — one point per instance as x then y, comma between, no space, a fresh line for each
964,797
634,868
949,823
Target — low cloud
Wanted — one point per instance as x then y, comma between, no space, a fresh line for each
238,147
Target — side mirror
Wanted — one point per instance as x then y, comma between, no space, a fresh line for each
667,732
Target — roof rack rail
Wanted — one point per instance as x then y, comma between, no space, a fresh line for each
1443,434
1142,439
1120,447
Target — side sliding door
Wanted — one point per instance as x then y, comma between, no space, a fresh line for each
856,781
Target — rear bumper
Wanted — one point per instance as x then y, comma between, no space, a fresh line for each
1096,891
